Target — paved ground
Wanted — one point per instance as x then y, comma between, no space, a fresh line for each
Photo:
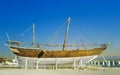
108,71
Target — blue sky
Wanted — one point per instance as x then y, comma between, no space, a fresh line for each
98,19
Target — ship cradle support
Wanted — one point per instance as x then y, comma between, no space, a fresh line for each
43,63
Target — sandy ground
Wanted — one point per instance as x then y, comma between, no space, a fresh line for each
111,71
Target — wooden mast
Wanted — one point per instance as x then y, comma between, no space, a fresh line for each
33,35
66,35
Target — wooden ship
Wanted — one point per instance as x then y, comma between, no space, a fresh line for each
35,54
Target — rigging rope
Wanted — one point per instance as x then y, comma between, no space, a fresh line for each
56,33
76,31
76,28
21,34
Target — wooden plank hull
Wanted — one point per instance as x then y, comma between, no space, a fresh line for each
38,53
